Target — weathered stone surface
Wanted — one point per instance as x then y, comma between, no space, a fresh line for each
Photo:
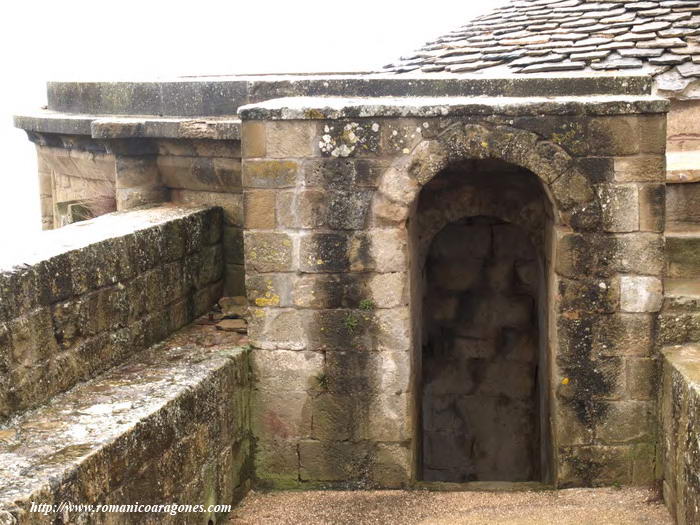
639,293
269,174
95,424
643,168
260,210
678,422
268,252
620,206
276,328
100,299
682,255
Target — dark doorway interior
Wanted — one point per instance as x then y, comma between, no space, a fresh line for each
480,399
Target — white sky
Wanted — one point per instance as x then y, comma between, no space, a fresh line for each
126,39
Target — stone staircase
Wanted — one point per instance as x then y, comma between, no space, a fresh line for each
122,382
679,320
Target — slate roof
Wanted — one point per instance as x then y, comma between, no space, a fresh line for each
537,36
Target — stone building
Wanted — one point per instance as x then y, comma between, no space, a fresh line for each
479,264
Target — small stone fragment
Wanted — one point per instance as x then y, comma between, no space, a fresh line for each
233,325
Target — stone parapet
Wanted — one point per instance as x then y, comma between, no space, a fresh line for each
679,425
80,299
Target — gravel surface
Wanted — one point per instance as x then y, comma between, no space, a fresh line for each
607,506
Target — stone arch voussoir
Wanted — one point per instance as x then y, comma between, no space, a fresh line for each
571,193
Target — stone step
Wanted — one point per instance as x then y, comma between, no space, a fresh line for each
683,204
679,319
683,251
169,425
682,167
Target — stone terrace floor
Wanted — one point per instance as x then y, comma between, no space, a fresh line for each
606,506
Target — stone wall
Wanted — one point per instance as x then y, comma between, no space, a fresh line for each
94,293
83,176
208,173
328,274
680,442
72,170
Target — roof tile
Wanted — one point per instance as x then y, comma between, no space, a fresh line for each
535,36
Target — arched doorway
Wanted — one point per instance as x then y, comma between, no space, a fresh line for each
480,233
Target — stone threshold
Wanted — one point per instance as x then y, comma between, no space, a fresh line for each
321,108
144,126
483,486
94,443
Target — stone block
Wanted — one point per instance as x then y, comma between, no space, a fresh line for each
682,255
640,293
304,209
652,207
134,172
32,338
333,417
277,328
628,421
638,253
640,168
253,139
391,465
652,134
642,378
571,189
260,209
350,372
331,174
588,295
388,419
332,460
379,250
324,252
201,174
290,138
683,203
280,415
615,135
354,138
348,210
269,289
620,206
276,462
388,290
269,174
623,334
286,370
570,430
231,203
595,465
380,330
268,252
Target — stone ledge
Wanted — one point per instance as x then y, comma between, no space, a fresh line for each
165,420
313,108
47,244
106,127
200,96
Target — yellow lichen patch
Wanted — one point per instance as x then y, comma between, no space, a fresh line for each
269,299
565,381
